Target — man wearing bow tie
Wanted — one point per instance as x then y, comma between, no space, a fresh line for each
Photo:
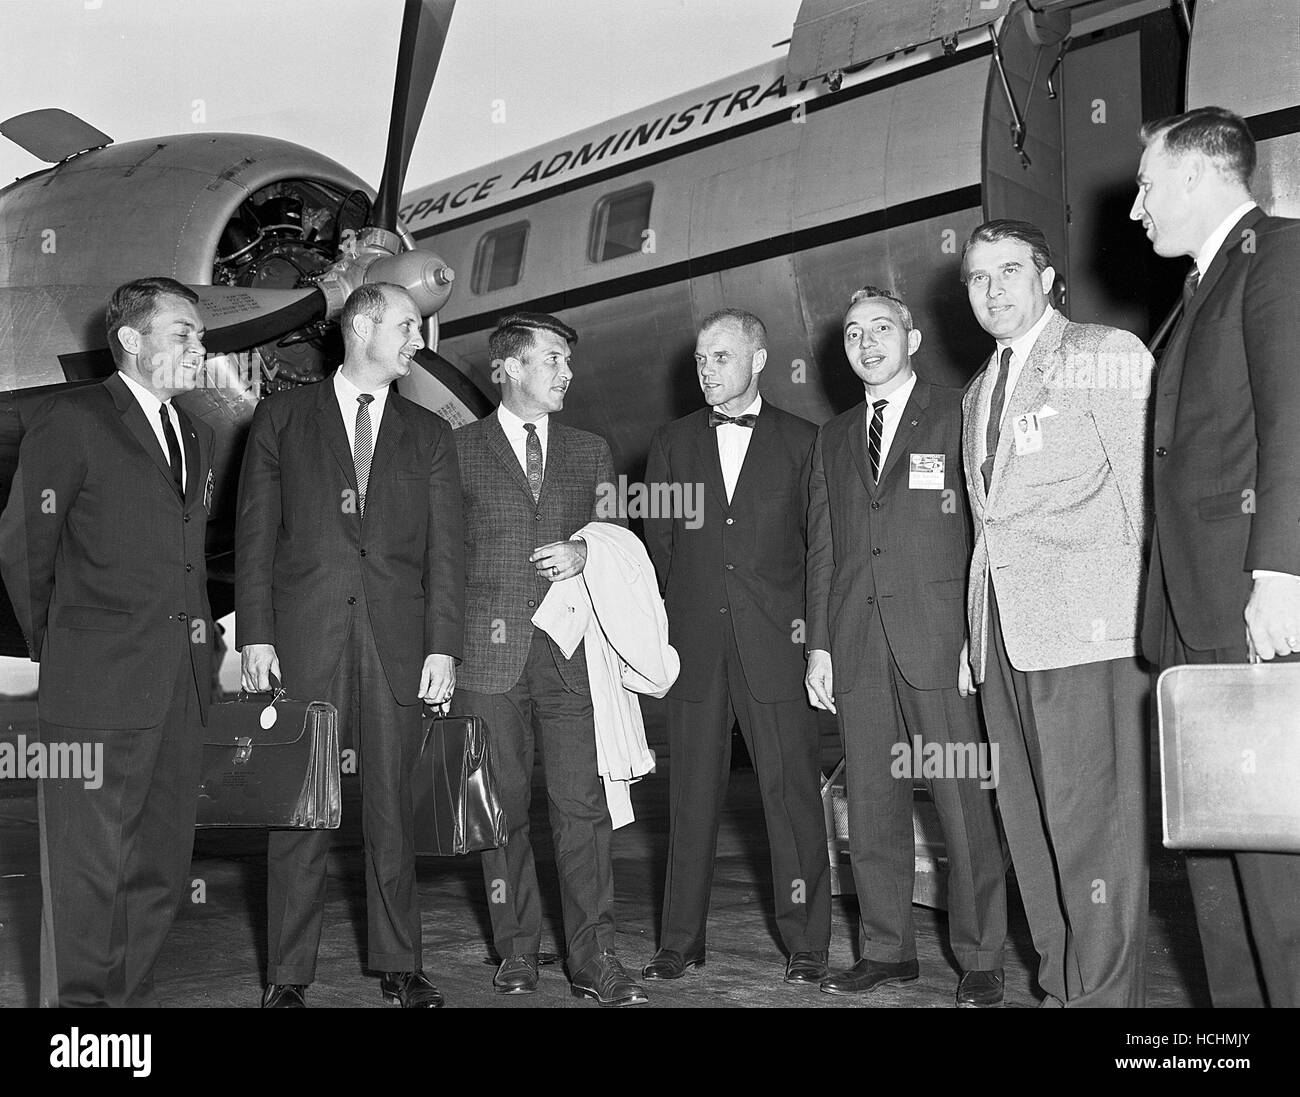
1225,564
733,583
1054,428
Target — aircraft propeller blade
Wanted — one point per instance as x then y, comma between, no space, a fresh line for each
239,317
424,31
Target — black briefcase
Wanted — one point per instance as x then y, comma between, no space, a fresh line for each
271,762
457,806
1230,756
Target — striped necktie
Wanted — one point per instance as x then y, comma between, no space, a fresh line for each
875,433
363,448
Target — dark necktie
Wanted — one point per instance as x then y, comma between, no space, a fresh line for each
716,419
1190,283
363,448
173,448
995,418
533,461
875,434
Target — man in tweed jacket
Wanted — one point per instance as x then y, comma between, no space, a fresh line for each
528,484
1053,435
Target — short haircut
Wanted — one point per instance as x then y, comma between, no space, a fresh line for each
1217,133
135,304
515,333
871,293
992,232
751,327
369,300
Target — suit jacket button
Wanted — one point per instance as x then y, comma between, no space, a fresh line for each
189,567
352,599
186,518
870,600
875,552
723,609
182,617
1161,451
531,603
730,567
537,517
875,505
731,521
363,552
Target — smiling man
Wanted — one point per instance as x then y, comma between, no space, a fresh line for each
101,546
889,533
350,588
529,483
1054,430
1225,566
733,584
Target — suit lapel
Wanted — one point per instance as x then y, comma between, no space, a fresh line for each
759,465
333,431
971,437
706,447
554,458
913,412
392,429
133,418
858,446
500,446
195,473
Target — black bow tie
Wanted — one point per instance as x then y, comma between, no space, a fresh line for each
716,419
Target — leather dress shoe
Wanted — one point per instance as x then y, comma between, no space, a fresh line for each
866,975
980,988
667,964
604,979
805,967
284,996
516,975
410,990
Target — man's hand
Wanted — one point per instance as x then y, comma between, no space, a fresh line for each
561,560
437,679
965,674
819,680
257,663
1273,616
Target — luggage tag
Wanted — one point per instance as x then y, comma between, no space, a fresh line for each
925,471
268,715
1028,431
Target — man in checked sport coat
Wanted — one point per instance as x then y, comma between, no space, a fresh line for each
1054,432
1226,477
350,588
888,551
529,483
733,581
101,546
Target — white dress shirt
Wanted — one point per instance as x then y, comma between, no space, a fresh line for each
347,394
1215,240
518,437
896,401
150,404
1020,348
733,444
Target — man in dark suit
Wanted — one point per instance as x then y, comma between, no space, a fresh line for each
888,550
102,551
1225,565
733,581
529,484
1053,434
349,587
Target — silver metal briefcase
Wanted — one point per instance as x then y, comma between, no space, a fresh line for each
1230,756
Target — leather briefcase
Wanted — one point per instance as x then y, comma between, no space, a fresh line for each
271,762
1230,756
457,806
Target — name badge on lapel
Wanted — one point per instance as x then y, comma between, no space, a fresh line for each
207,491
1028,431
925,471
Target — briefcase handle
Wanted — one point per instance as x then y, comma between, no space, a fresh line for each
276,692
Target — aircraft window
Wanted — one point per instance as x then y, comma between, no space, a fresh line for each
619,222
499,259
